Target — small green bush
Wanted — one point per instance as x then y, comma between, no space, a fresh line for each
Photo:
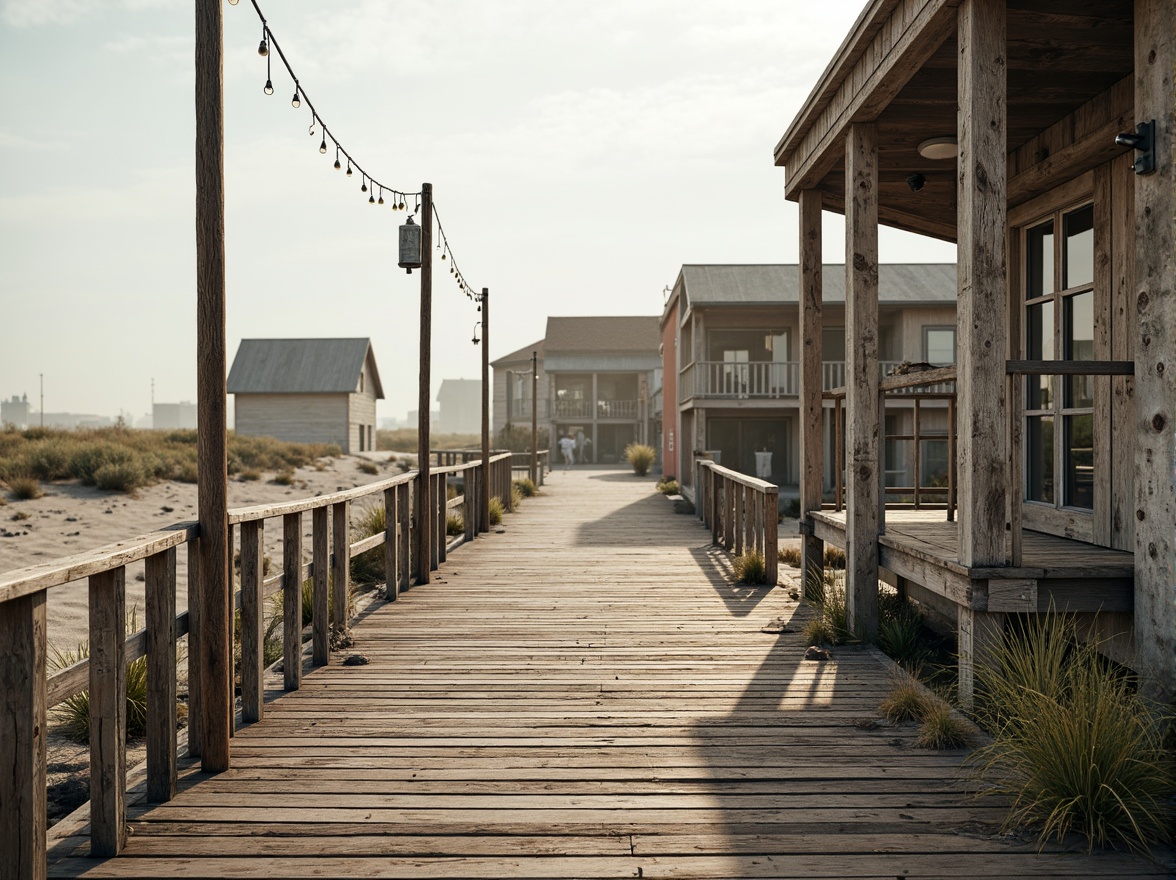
25,488
368,467
790,556
284,478
750,568
120,476
496,510
526,487
640,457
454,525
830,626
517,438
249,476
942,729
669,486
790,507
906,702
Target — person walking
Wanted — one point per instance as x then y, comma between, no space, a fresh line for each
567,445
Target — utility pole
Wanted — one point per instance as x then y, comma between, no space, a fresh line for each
424,509
215,662
42,400
484,514
535,418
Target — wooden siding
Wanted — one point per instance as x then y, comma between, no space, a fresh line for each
298,418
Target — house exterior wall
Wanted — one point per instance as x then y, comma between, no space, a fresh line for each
671,430
361,420
503,401
296,418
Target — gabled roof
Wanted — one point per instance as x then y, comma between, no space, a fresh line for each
637,333
302,366
773,285
523,354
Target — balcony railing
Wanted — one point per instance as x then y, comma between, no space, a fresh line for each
766,380
600,409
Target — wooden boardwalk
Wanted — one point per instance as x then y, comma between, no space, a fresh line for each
582,695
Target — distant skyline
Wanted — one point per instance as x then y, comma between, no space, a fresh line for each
579,155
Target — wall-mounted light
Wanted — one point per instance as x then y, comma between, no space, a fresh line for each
944,147
476,339
916,182
1144,140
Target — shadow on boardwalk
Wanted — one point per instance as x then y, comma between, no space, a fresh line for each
583,696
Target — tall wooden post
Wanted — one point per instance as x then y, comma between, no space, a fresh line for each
1154,300
424,521
484,511
980,302
861,378
534,417
211,440
812,466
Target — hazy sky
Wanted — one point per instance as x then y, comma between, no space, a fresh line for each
580,154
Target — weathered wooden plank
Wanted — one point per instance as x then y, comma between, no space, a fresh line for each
340,563
320,586
161,676
252,622
391,545
195,700
108,712
292,601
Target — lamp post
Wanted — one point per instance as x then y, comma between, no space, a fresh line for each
484,513
424,507
534,418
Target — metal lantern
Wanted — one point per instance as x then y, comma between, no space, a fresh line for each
410,246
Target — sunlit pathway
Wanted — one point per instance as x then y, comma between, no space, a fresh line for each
583,695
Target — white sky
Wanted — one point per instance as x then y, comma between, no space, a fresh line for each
580,154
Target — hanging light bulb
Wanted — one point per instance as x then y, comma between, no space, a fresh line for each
232,2
263,46
348,166
323,145
264,50
313,120
337,164
269,87
442,256
364,187
381,201
296,102
400,207
372,199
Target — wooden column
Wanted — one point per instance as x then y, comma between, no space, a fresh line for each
861,379
22,747
979,632
404,535
320,590
292,601
252,621
391,545
340,563
981,295
195,704
108,712
424,525
212,440
484,499
1155,354
160,579
812,464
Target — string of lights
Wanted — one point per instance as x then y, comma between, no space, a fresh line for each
370,185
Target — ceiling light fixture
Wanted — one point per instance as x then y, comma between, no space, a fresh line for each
939,148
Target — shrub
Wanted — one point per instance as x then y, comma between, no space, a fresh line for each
942,729
906,702
669,486
790,556
517,438
834,557
284,478
454,525
750,568
25,488
368,568
526,487
640,457
496,510
368,467
48,459
516,498
830,627
248,476
900,630
121,476
1074,747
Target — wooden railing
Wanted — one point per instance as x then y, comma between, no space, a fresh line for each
520,464
741,511
27,692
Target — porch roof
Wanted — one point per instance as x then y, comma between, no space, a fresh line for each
898,66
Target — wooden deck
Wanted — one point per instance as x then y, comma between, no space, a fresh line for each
582,695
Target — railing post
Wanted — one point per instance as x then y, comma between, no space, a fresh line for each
391,545
771,534
740,524
160,579
22,747
404,535
440,505
194,605
252,625
951,460
108,712
292,601
320,602
340,562
918,444
470,507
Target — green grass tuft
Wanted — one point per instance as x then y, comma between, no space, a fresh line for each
526,487
496,510
25,488
454,525
640,457
750,568
942,729
906,702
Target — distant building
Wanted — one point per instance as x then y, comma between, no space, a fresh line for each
511,393
412,419
307,391
173,416
15,412
461,407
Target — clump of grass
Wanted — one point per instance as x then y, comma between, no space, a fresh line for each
526,487
249,476
940,728
454,525
496,510
368,467
284,478
790,556
25,488
830,626
906,702
900,630
368,568
750,568
834,558
405,440
74,713
1075,748
516,498
121,476
668,485
640,457
404,464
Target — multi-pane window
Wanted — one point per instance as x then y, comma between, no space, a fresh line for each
1059,325
939,345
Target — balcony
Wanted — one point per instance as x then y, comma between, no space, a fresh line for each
602,409
768,380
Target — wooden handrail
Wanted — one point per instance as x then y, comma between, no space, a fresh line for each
742,512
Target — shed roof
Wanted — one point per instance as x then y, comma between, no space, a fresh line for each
302,366
595,333
523,354
769,285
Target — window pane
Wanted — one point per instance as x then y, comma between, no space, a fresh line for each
1040,278
1039,464
1079,245
1080,461
940,344
1078,321
1039,344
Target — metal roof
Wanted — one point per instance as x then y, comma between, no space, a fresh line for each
597,334
523,354
770,285
302,366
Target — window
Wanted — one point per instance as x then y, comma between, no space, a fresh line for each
1059,325
939,345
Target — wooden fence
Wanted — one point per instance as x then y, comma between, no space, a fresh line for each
741,511
27,692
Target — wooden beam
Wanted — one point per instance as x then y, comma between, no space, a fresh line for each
292,601
483,512
812,411
1155,353
862,378
160,576
108,712
252,622
981,282
211,436
22,747
424,525
320,590
340,563
391,546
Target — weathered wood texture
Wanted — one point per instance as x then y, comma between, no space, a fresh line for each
626,717
863,428
424,525
812,411
1155,351
340,562
252,621
981,335
161,676
292,601
320,586
108,712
